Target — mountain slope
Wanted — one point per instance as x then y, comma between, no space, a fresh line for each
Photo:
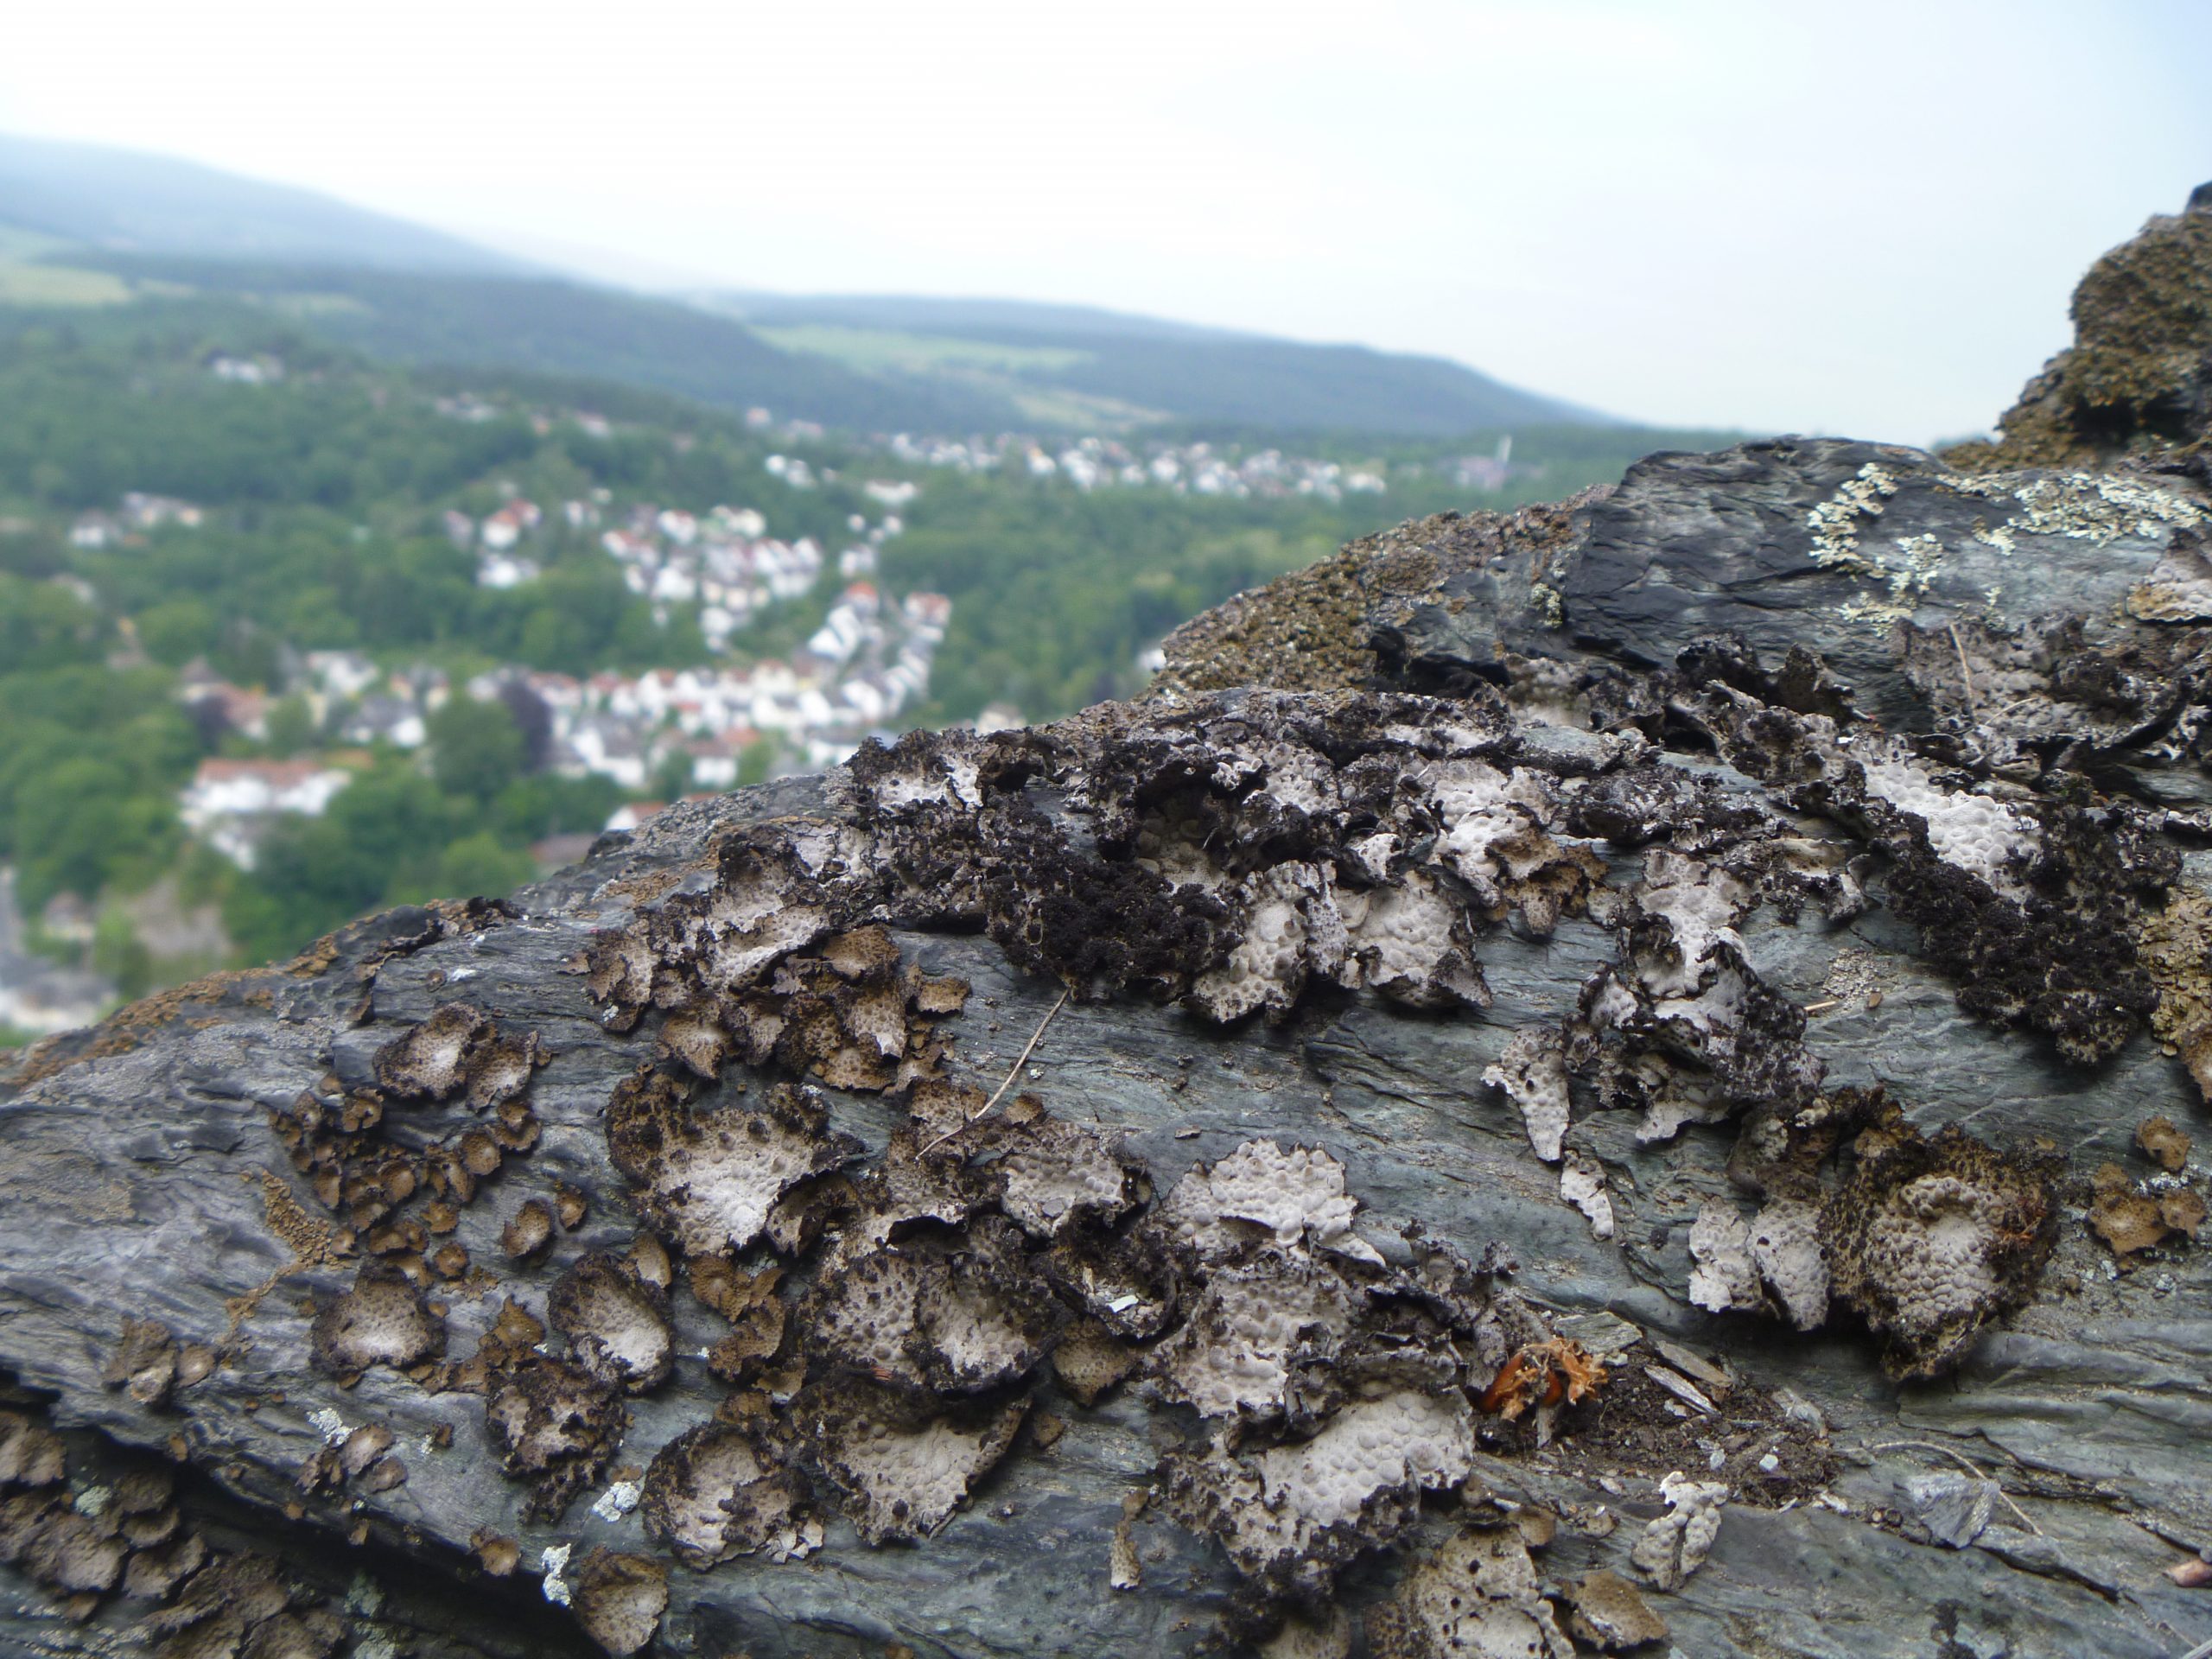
1147,365
74,218
553,327
123,200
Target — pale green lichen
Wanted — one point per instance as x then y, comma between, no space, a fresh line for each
1908,574
2085,507
1835,523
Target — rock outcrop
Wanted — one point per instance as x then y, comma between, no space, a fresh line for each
1615,1077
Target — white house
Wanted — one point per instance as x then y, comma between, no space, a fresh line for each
229,803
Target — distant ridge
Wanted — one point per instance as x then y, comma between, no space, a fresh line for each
125,201
980,317
864,362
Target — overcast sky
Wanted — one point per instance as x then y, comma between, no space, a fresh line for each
1861,218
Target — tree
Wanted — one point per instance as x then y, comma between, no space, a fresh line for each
79,819
480,866
291,727
476,749
177,630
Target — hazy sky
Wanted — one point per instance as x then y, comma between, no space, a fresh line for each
1862,218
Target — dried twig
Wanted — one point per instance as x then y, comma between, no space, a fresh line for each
984,1110
1966,674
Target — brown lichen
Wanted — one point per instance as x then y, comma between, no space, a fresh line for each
2131,1220
1929,1239
555,1426
2135,381
2175,945
619,1599
529,1230
382,1320
616,1323
2165,1142
144,1362
1610,1614
721,1489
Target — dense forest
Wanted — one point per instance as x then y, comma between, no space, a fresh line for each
323,493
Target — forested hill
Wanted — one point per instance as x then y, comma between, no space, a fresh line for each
80,226
544,325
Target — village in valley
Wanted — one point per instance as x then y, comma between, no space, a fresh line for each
857,665
708,727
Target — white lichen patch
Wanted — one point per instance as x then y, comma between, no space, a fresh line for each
713,1493
906,1482
328,1424
1906,570
2083,507
1532,1074
1701,906
382,1320
1981,835
617,1501
1493,822
1476,1596
1294,1198
1785,1243
711,1179
1675,1546
1834,525
617,1324
1726,1278
1357,1481
1286,918
1582,1183
1234,1351
553,1562
934,1319
751,924
1409,944
1056,1174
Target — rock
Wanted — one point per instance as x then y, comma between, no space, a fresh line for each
2138,379
1955,1509
1240,1079
1611,1615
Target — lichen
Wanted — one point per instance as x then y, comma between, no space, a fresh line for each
616,1323
1291,1514
382,1320
710,1177
619,1599
1676,1545
1476,1596
1929,1239
722,1489
905,1468
556,1427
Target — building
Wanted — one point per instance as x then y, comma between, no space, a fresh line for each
230,804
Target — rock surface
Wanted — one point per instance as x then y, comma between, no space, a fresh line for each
1550,1085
